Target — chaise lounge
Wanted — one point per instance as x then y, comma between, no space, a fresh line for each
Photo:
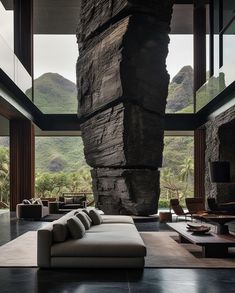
115,243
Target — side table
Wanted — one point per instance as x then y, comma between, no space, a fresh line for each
165,217
53,207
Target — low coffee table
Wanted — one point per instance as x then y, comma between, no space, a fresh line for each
220,221
213,245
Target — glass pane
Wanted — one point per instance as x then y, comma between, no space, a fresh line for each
177,173
207,42
224,76
7,26
180,68
4,165
228,11
23,79
7,59
65,167
216,37
55,59
228,54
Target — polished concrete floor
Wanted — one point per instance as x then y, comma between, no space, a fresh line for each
28,280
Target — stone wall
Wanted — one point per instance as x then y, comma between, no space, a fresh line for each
122,90
219,140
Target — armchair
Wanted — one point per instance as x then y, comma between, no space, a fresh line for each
31,211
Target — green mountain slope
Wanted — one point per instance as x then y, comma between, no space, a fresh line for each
54,94
55,154
180,95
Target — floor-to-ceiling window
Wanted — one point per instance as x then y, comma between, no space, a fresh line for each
54,73
180,61
4,165
55,57
177,172
7,41
61,166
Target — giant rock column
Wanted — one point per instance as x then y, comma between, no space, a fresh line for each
122,90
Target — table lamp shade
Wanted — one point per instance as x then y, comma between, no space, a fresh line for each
219,171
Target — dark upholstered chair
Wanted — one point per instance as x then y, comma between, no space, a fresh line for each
31,211
195,205
177,209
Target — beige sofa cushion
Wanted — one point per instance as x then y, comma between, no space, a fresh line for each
118,228
105,244
83,218
95,217
116,219
60,231
76,228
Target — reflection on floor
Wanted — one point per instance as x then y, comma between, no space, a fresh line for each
28,280
112,281
10,227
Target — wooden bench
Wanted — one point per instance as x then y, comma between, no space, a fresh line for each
213,245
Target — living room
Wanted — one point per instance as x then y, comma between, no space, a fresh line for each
99,160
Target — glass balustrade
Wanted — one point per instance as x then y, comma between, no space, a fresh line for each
13,68
224,76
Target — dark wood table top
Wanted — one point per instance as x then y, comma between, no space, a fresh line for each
204,239
217,218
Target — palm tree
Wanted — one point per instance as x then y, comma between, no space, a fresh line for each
169,182
187,169
4,175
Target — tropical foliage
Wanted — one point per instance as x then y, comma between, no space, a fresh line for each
178,169
53,184
4,176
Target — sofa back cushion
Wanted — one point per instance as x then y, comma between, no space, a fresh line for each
76,228
26,201
37,201
83,218
60,231
79,199
68,200
95,217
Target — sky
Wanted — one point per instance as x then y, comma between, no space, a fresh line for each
58,53
55,53
6,25
180,53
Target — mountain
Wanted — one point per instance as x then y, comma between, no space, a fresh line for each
62,154
180,95
54,94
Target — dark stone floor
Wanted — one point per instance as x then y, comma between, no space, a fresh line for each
28,280
111,281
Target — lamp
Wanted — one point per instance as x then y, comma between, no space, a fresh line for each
219,171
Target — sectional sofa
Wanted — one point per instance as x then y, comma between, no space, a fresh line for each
115,243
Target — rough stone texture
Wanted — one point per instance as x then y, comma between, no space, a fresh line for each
122,90
97,13
126,191
219,139
129,58
124,135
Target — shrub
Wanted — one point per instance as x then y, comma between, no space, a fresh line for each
163,203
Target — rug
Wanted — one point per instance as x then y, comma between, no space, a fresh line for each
163,251
20,252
